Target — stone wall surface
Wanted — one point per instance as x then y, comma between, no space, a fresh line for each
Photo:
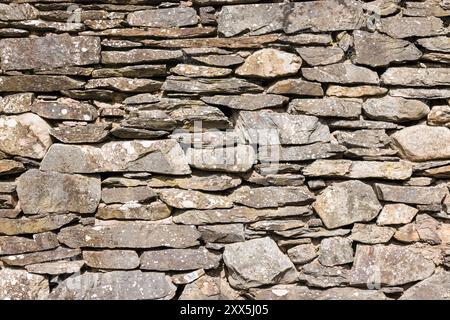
224,149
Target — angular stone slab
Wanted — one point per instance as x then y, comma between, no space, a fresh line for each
335,251
436,287
319,56
417,77
65,109
410,195
371,234
296,87
248,102
390,265
115,285
179,259
404,27
209,86
55,267
53,192
198,181
16,103
124,195
134,211
345,73
129,235
39,257
396,213
10,167
16,245
160,156
191,199
163,18
275,153
327,107
140,56
194,71
395,109
49,52
111,259
271,197
38,83
16,284
90,133
12,227
440,44
17,12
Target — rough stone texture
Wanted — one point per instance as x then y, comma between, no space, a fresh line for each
435,287
179,259
410,195
335,251
21,285
111,259
344,73
271,197
327,107
395,109
163,18
396,214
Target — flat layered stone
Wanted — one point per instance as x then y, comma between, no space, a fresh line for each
346,202
190,199
435,287
410,195
223,233
117,285
51,51
319,56
302,253
163,18
255,19
362,138
124,84
49,26
404,27
423,143
335,251
395,109
416,77
248,102
124,195
270,63
10,245
272,267
12,227
440,44
65,109
179,259
139,71
396,213
17,11
355,92
271,197
209,86
53,192
418,93
170,32
38,83
274,153
327,107
267,128
160,156
439,115
55,267
16,103
129,235
16,284
194,71
39,257
345,73
133,210
90,133
390,265
10,167
231,159
220,60
377,50
296,87
198,181
371,234
111,259
237,215
140,56
24,135
307,39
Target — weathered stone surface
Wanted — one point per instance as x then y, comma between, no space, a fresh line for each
129,235
160,156
34,225
427,229
299,153
319,56
258,19
111,259
345,73
10,167
17,11
410,195
302,253
124,84
419,93
90,133
220,60
346,202
319,276
231,159
133,210
116,285
270,63
362,138
65,109
423,143
376,50
248,102
271,197
56,267
371,234
170,32
440,44
223,233
276,225
209,86
197,181
24,135
355,92
39,257
335,251
193,71
163,18
416,77
16,284
404,27
16,245
439,115
237,215
53,192
436,287
139,71
52,51
396,213
38,83
390,265
16,103
407,233
327,107
307,39
179,259
296,87
140,56
124,195
272,267
190,199
395,109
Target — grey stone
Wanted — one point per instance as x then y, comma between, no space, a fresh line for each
316,275
296,87
191,199
248,102
220,60
395,109
371,234
439,115
396,213
271,197
404,27
335,251
163,18
16,103
124,84
440,44
16,284
179,259
435,287
12,227
319,56
345,73
198,181
419,93
355,92
327,107
222,233
194,71
362,138
299,153
124,195
111,259
39,257
55,267
140,56
65,109
307,39
302,253
139,71
17,11
209,86
90,133
133,210
38,83
10,245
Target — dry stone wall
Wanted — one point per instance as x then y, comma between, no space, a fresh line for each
224,149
